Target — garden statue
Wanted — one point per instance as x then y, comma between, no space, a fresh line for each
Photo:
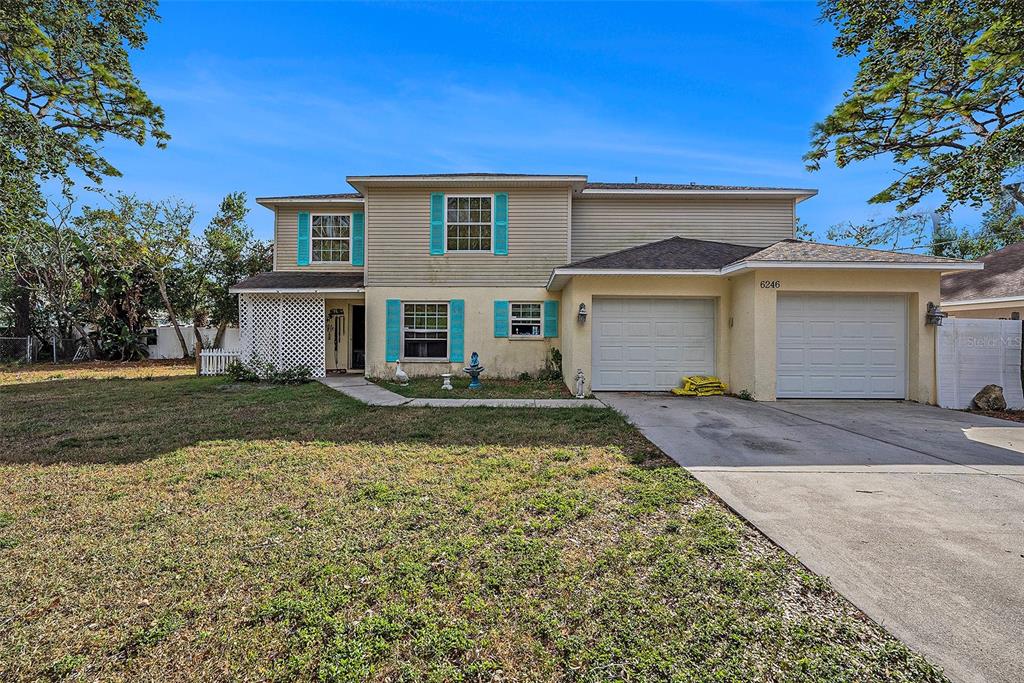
580,381
400,375
447,381
474,371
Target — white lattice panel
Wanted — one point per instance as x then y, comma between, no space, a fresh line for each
284,331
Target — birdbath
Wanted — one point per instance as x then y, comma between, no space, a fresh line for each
474,371
446,381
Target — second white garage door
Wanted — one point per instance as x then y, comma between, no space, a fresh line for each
649,344
841,346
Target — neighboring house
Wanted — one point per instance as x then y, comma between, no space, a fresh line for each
636,284
995,292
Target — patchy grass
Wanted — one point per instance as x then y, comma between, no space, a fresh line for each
49,372
430,387
186,528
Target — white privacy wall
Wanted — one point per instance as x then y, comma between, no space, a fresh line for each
168,346
972,353
283,330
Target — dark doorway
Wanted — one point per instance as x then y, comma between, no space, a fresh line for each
358,337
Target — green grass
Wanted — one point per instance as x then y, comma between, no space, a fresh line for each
182,528
430,387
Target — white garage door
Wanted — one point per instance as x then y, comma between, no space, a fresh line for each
841,346
648,344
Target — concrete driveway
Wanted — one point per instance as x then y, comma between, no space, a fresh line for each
915,513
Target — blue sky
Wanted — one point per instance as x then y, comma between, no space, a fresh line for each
290,98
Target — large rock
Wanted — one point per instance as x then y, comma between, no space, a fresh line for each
990,398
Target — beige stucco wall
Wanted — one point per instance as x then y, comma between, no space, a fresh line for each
576,338
920,287
502,357
988,311
746,318
286,235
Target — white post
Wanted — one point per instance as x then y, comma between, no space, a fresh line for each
28,349
53,341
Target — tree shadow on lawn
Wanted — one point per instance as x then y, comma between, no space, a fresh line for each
128,420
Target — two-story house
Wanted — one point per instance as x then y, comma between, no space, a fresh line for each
636,285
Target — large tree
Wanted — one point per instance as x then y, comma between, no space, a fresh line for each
161,233
66,84
939,89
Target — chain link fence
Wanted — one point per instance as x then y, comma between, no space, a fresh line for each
35,350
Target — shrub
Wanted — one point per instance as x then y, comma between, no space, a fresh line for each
240,372
552,366
258,371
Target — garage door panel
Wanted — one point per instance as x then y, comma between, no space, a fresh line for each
844,346
658,341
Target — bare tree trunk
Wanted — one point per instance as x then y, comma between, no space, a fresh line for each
199,338
218,340
161,284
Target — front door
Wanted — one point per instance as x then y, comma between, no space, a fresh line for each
336,336
358,337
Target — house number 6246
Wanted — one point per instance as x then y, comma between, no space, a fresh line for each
770,284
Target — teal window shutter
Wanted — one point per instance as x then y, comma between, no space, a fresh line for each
500,318
358,238
501,223
550,318
393,330
456,334
436,223
302,247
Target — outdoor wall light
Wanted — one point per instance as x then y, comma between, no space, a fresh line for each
934,315
581,315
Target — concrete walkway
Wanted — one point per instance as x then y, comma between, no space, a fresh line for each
915,513
361,389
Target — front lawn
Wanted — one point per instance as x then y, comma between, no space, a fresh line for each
429,387
183,528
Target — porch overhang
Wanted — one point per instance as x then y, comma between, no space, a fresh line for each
280,282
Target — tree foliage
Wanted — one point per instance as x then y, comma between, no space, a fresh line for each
66,83
939,89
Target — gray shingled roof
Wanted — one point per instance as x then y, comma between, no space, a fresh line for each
1003,277
684,186
674,253
295,280
797,250
680,253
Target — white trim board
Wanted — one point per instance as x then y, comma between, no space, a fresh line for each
297,290
558,275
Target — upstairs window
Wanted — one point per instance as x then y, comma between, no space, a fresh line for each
425,331
468,223
331,236
525,319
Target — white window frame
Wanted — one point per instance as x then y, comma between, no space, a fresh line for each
447,331
540,320
490,250
336,239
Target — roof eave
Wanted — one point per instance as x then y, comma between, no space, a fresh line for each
749,264
559,276
271,202
798,194
985,301
361,182
296,290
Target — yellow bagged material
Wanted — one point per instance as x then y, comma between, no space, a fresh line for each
701,385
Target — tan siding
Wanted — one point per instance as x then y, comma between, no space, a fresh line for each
398,243
601,225
286,228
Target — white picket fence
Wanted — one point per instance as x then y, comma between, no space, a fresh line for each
216,361
970,354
